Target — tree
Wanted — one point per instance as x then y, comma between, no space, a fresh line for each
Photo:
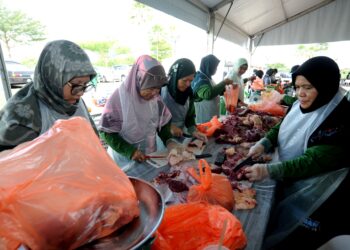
102,48
160,47
161,38
279,66
308,51
17,28
110,52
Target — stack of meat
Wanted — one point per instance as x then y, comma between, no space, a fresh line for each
245,126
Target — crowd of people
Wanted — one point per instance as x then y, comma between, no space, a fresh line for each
152,107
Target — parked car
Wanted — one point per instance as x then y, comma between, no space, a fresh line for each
18,73
120,72
104,74
284,77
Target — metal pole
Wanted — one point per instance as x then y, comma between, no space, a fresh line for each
4,77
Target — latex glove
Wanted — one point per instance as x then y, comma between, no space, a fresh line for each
256,151
176,131
138,156
200,136
257,172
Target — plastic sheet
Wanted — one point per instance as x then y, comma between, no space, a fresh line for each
62,190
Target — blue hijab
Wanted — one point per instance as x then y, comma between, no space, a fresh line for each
207,69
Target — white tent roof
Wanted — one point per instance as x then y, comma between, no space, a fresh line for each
266,22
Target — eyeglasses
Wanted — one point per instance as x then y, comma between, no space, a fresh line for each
77,88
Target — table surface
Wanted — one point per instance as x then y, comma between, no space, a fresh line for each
253,221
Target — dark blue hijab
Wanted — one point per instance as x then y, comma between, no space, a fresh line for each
207,69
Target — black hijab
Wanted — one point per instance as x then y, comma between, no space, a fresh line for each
181,68
324,74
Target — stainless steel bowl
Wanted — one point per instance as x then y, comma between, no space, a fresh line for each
137,232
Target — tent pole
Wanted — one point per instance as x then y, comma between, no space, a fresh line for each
210,33
6,88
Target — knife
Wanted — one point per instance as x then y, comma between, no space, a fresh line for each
201,156
247,161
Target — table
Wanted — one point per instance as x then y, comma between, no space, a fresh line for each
253,221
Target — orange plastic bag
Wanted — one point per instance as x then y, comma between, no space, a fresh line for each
62,190
269,104
213,188
208,128
258,84
194,226
231,97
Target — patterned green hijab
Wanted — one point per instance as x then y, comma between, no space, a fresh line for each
59,62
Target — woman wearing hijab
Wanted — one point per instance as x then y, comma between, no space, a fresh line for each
313,165
269,76
206,93
135,113
61,77
178,97
240,66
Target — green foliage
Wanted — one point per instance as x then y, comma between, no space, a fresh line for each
110,52
17,28
344,73
311,50
279,66
100,47
140,14
160,47
30,62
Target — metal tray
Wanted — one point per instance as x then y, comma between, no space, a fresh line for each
137,232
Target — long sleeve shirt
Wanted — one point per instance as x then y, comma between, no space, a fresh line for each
118,144
208,92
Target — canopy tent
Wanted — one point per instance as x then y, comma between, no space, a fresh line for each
252,23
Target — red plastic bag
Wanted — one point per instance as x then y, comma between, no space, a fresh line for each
196,225
62,190
208,128
231,97
213,188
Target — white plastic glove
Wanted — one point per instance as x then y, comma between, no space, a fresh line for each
200,136
257,172
256,151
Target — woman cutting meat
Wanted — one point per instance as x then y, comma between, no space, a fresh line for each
313,165
178,97
135,114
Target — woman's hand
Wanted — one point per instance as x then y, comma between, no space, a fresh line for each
255,151
138,156
257,172
200,136
228,81
176,131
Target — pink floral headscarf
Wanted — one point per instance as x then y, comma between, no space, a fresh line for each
127,113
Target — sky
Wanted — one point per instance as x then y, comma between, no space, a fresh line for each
84,20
